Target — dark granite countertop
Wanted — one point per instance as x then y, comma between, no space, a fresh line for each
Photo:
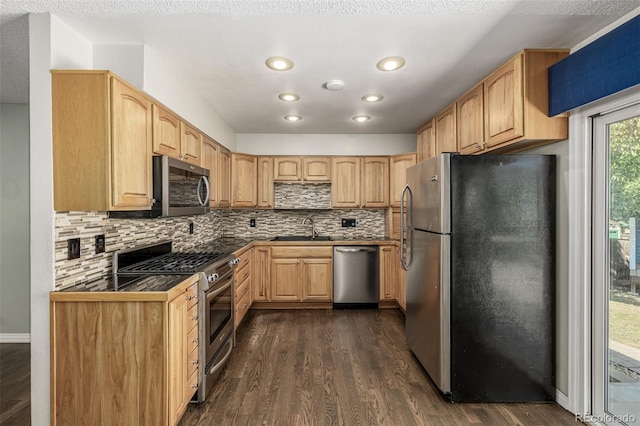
144,283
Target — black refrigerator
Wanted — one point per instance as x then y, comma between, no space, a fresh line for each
478,240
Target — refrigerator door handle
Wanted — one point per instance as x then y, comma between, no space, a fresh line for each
406,264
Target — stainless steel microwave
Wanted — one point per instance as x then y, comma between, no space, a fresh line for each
179,189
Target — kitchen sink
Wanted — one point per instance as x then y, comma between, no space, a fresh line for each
301,238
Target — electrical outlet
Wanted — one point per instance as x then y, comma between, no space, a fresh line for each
349,223
73,248
192,227
252,223
100,243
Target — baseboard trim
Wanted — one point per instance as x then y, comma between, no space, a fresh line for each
15,338
562,400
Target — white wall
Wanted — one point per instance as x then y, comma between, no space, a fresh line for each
325,144
14,223
125,60
163,81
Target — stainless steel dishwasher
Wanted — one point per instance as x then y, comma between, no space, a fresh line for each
355,277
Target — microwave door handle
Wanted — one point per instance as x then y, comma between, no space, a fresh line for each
206,199
206,184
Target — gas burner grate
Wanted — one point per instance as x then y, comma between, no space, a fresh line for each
172,263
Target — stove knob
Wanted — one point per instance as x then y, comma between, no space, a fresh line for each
213,277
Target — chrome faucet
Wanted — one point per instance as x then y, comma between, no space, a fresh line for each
314,231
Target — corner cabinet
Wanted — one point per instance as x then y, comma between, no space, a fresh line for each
102,143
124,357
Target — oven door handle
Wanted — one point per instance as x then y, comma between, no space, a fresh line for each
224,359
220,290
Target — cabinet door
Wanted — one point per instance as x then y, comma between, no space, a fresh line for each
131,147
503,103
210,151
178,360
262,274
224,177
191,146
287,169
316,169
387,273
285,280
166,132
265,182
375,182
446,130
244,180
398,175
317,278
345,182
426,145
470,115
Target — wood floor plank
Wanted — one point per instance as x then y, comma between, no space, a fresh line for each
340,367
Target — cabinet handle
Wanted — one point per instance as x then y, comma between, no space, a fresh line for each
195,340
195,318
195,297
194,362
194,386
187,297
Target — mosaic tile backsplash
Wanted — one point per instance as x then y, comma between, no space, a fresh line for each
127,233
302,195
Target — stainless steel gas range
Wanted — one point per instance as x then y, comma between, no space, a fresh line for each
215,296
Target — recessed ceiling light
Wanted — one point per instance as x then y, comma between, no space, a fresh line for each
288,97
361,118
372,98
292,117
334,85
279,63
390,63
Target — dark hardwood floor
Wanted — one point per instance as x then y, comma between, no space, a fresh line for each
15,394
340,367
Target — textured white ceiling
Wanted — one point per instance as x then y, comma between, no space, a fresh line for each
221,47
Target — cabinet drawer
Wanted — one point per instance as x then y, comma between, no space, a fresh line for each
193,362
242,306
245,259
192,317
242,288
192,295
298,252
240,276
192,340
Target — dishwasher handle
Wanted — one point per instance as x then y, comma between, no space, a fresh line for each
356,249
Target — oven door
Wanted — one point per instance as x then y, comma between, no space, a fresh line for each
218,315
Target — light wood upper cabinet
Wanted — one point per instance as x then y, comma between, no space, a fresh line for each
446,135
345,182
426,144
210,151
516,102
265,182
398,175
191,144
287,169
470,116
316,169
504,101
166,132
102,130
298,169
244,180
224,177
375,182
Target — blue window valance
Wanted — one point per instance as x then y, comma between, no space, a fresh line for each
605,66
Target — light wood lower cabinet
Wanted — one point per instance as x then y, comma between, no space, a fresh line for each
401,283
242,285
388,272
123,358
297,274
262,274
